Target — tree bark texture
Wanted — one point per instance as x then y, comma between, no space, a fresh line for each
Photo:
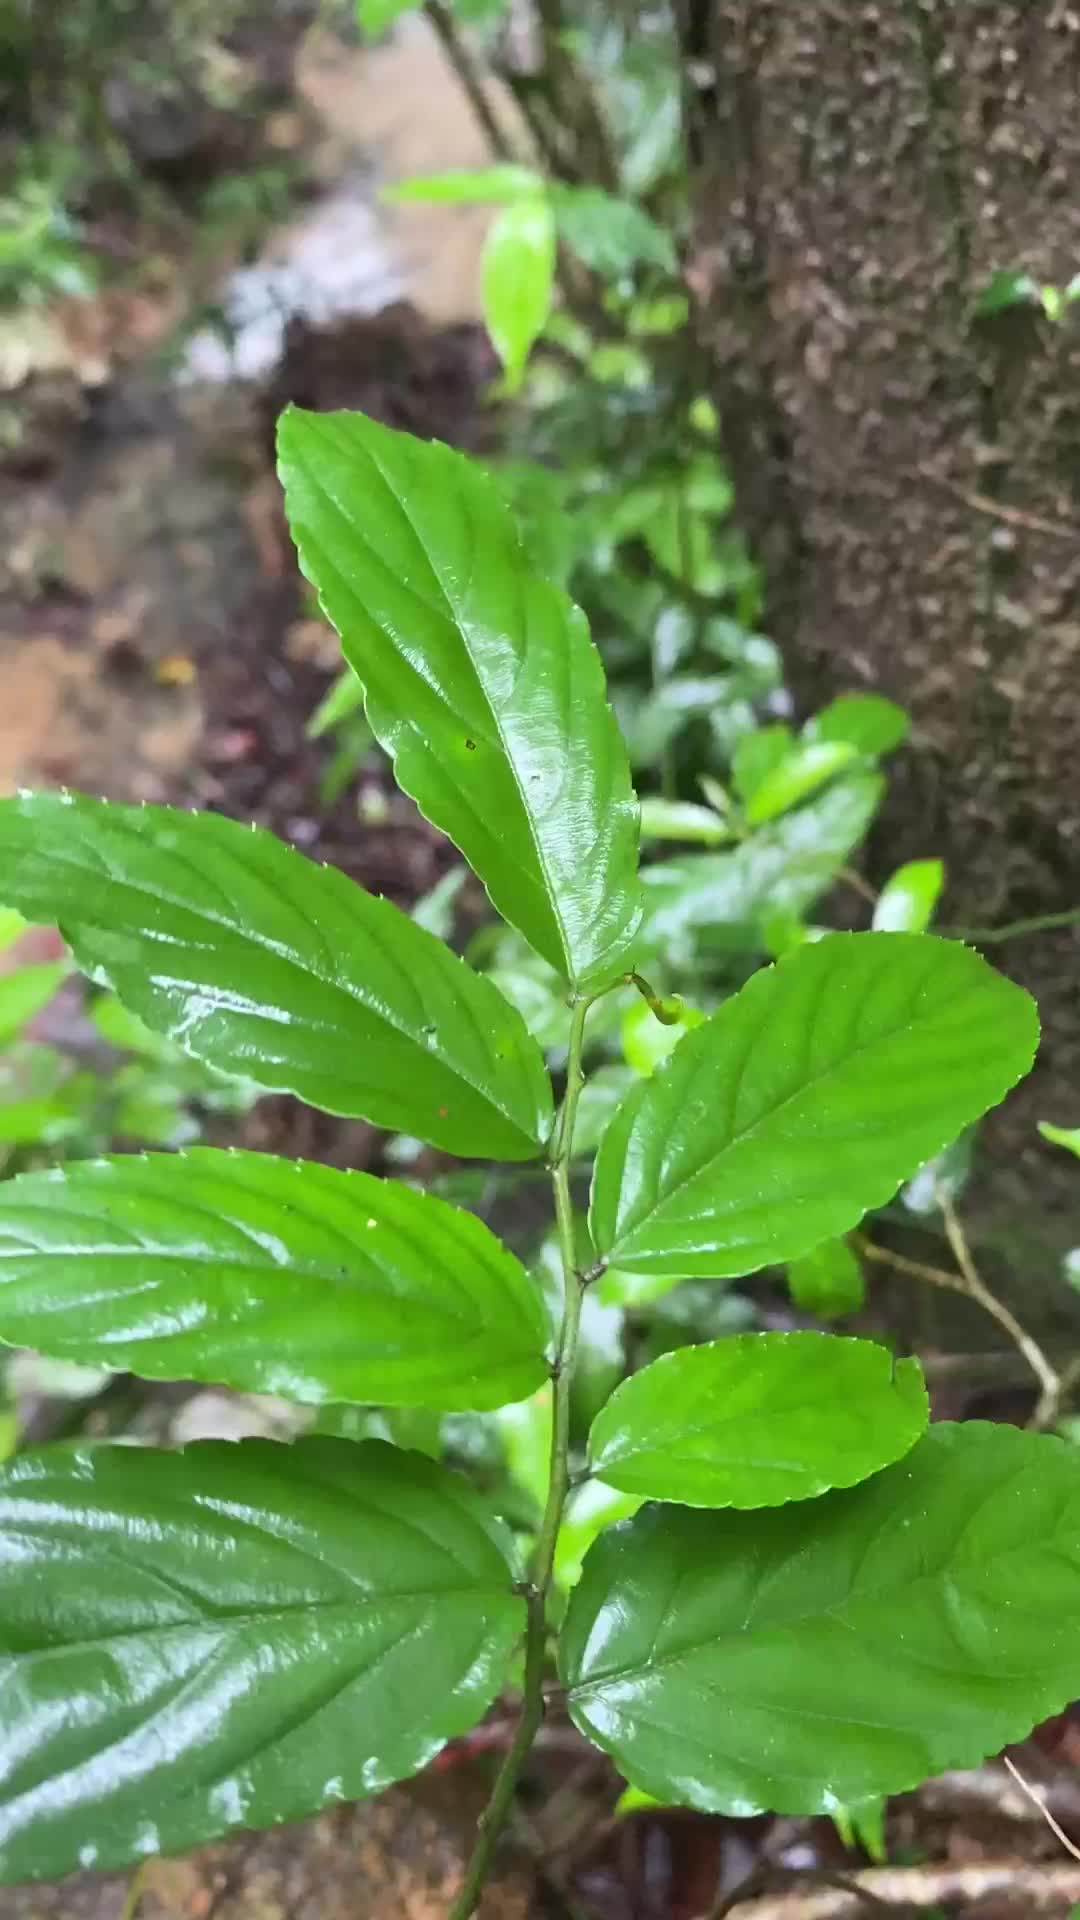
908,471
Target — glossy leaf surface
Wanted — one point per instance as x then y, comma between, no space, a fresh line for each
804,1101
816,1655
481,680
265,965
827,1281
272,1276
758,1420
907,900
517,279
229,1636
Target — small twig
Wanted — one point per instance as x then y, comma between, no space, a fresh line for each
133,1893
1016,929
1037,1801
771,1876
861,886
1040,1887
913,1269
1047,1376
468,74
982,503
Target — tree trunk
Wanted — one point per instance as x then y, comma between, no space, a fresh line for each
906,466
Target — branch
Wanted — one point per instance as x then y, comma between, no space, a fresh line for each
468,74
494,1817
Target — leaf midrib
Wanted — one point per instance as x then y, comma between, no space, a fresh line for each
551,892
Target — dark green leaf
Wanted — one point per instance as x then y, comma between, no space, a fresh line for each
517,280
758,1420
827,1281
265,965
804,1101
864,720
230,1636
273,1276
480,679
907,900
816,1655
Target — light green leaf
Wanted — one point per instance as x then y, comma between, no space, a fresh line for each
907,900
804,1101
810,1657
434,911
262,964
12,927
481,681
758,1420
600,1096
249,1632
1068,1137
590,1509
1007,287
517,280
864,720
757,755
681,820
827,1281
272,1276
375,17
647,1041
344,698
806,768
611,235
25,992
525,1429
461,186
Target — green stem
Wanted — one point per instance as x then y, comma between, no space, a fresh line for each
493,1819
1017,929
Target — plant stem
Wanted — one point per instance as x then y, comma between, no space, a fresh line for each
493,1819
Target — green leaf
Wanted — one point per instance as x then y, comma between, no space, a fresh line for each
758,1420
757,755
590,1509
344,698
611,235
26,992
480,680
804,1101
1008,287
525,1429
272,1276
828,1281
681,820
864,720
816,1655
647,1041
12,927
1068,1137
262,964
907,900
374,17
722,899
230,1636
462,186
805,769
600,1096
517,280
